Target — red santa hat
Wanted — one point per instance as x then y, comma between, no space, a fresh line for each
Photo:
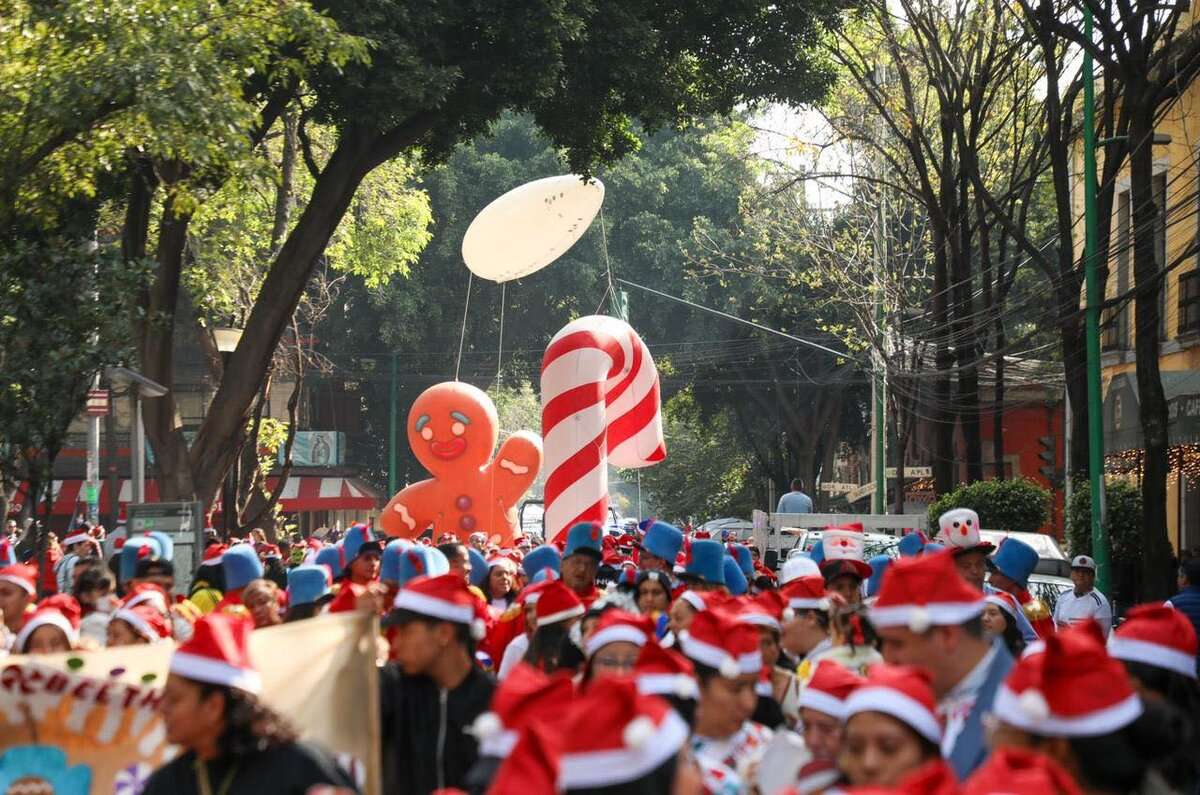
147,593
1156,635
60,611
664,672
77,537
218,653
902,692
704,601
830,686
959,530
817,775
556,603
615,735
504,562
146,621
1073,689
1020,771
526,695
446,598
925,591
718,640
532,766
768,609
213,553
806,593
617,625
21,575
935,777
843,547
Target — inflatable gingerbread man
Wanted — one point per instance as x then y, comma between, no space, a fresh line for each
452,429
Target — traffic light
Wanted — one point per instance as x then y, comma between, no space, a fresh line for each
1049,456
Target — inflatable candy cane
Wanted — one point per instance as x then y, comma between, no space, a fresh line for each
600,405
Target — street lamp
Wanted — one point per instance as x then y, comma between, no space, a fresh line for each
145,388
226,340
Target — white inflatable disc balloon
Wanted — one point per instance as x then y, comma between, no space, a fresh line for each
529,227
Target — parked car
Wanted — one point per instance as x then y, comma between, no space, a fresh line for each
1051,559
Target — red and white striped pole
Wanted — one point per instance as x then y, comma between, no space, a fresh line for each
600,405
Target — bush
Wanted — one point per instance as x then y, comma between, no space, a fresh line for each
1124,518
1018,505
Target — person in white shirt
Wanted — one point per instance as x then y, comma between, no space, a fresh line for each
1085,601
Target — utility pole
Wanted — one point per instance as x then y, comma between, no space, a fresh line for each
392,429
1091,241
879,377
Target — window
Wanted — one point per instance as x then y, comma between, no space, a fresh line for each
1124,258
1189,302
1160,248
1109,329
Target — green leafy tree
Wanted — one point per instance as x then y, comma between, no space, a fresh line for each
1018,505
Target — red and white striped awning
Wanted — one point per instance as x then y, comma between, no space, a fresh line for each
301,493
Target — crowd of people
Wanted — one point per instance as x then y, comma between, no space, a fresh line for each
652,660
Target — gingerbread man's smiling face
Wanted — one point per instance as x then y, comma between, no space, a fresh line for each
452,428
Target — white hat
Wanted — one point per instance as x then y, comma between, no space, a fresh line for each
1083,562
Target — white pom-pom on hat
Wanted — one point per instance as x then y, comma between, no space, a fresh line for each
1033,704
488,724
478,629
638,732
918,619
729,668
823,604
788,614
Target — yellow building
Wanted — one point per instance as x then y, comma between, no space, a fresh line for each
1176,176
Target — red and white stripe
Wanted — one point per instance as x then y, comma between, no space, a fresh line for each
600,405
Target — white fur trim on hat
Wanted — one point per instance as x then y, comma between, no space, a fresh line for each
718,658
820,701
435,608
1143,651
760,620
216,672
76,538
936,614
608,768
151,597
798,603
51,618
694,599
1022,712
617,632
892,702
561,615
138,624
21,583
679,685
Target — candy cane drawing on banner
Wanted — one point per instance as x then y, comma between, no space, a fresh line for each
600,405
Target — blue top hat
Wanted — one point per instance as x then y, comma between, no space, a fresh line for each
544,557
911,545
663,540
584,539
479,567
331,556
132,552
543,574
1016,560
307,584
735,580
165,544
741,555
879,564
389,567
706,562
421,561
359,539
241,565
817,553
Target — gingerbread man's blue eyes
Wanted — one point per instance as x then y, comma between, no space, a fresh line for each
463,418
422,421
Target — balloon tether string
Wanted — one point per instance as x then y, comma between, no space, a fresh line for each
500,347
462,335
609,290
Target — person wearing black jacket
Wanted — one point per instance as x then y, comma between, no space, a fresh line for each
434,692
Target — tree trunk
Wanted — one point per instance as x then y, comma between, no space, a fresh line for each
1148,278
965,344
943,420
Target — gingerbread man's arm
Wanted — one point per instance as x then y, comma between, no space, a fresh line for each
412,510
515,466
